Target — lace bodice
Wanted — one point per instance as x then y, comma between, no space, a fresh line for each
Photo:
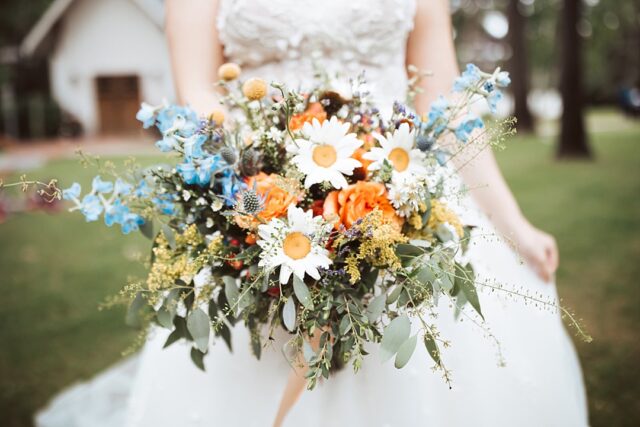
282,39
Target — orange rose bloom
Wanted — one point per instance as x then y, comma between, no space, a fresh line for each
314,111
276,202
356,201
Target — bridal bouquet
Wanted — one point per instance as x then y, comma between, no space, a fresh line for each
305,211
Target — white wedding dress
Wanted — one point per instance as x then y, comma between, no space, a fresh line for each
541,384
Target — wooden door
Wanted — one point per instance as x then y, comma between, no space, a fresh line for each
118,102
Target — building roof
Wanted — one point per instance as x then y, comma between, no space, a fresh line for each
153,9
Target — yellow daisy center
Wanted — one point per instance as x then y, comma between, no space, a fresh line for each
399,159
324,155
296,245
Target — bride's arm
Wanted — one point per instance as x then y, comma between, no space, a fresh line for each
430,47
196,51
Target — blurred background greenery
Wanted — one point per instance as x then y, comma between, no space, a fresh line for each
575,175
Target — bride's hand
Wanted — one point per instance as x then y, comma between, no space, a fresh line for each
539,249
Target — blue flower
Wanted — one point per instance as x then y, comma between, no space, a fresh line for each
193,146
209,167
142,189
165,205
167,143
115,213
489,86
231,186
464,129
91,207
469,78
72,192
187,171
182,119
493,99
131,222
147,115
503,79
100,186
438,110
122,188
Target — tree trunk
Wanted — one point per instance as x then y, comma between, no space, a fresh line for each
573,139
519,67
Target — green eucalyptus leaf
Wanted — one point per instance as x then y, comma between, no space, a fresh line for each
376,307
466,282
408,250
169,234
199,328
405,352
345,325
225,333
197,357
394,335
165,317
432,347
426,275
302,292
395,293
289,315
232,293
147,229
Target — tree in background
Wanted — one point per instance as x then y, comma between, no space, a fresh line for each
519,66
573,139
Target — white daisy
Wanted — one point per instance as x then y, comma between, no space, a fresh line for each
398,149
296,246
325,153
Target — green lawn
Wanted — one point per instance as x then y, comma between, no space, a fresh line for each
56,269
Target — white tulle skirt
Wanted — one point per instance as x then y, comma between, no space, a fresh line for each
540,383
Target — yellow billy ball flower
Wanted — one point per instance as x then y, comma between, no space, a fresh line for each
229,71
217,116
254,89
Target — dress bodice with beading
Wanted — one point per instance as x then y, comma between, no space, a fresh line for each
282,40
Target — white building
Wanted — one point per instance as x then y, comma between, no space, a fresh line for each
105,57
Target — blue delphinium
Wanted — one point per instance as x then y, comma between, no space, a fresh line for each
114,214
193,146
437,115
502,79
72,193
147,115
200,171
142,189
492,100
178,119
122,188
98,201
469,78
466,127
231,186
131,222
164,204
91,207
100,186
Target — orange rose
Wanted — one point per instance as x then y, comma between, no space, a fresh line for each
356,201
276,202
314,111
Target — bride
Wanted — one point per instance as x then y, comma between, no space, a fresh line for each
540,383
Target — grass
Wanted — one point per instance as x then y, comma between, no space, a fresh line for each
56,269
